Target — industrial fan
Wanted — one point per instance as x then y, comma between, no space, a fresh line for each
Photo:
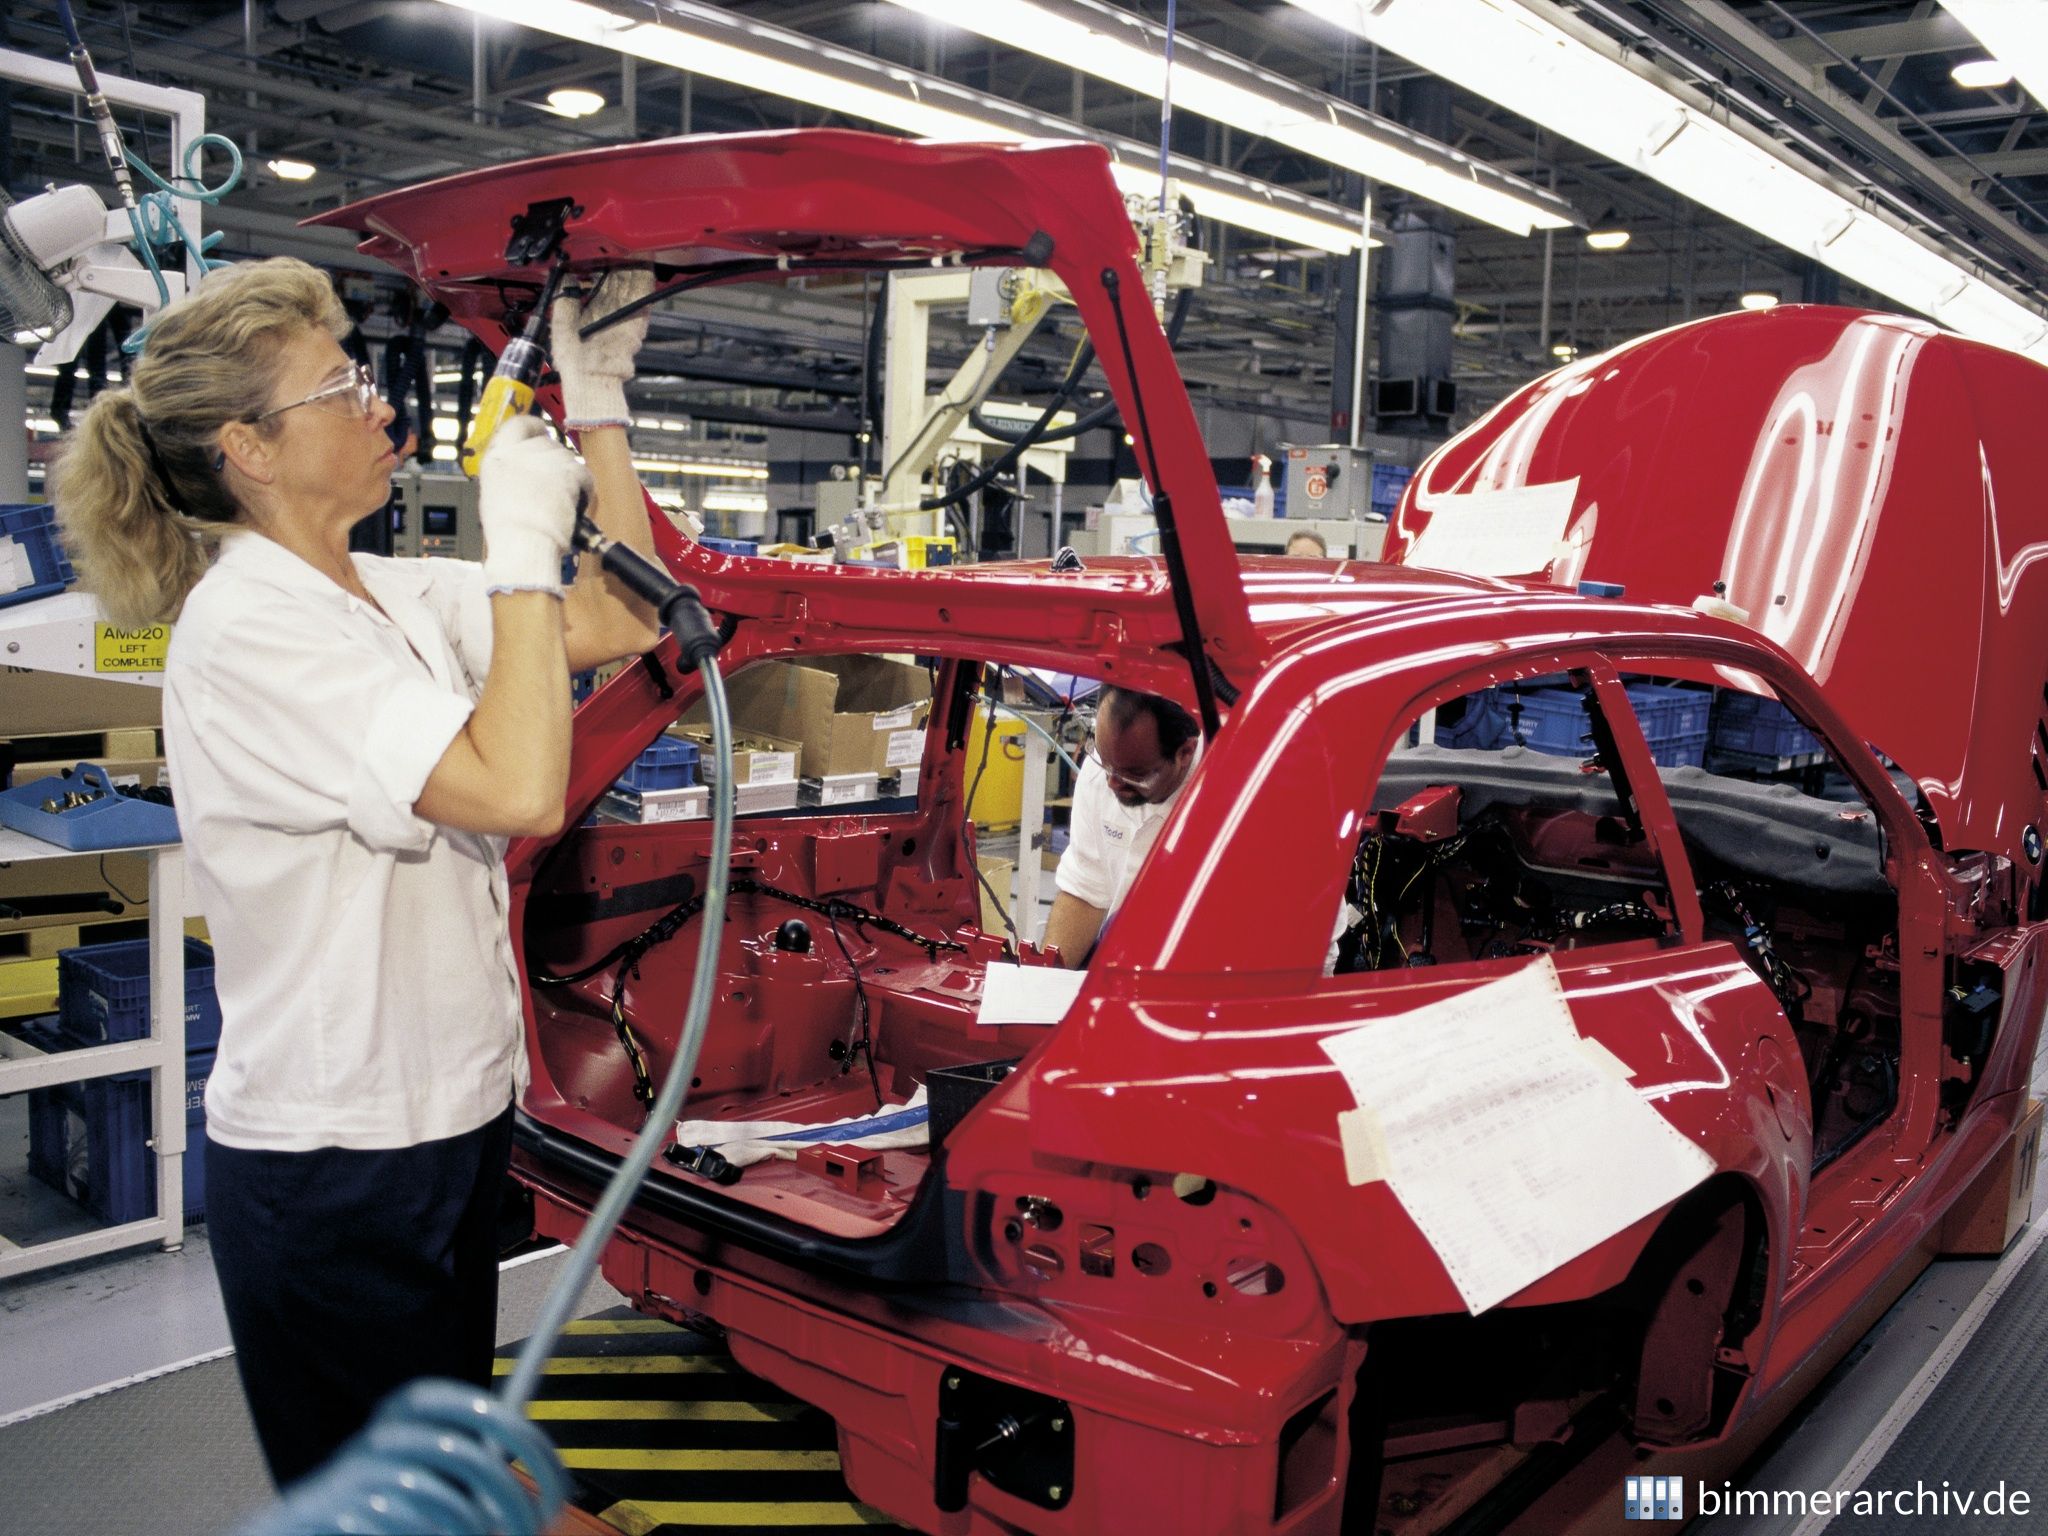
64,262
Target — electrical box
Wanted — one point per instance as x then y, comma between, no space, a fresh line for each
438,516
988,299
1327,481
836,499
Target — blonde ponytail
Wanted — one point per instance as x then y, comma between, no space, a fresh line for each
132,545
140,497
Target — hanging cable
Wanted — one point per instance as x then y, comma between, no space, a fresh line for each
1098,416
437,1455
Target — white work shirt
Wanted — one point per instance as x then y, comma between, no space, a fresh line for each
1108,840
362,955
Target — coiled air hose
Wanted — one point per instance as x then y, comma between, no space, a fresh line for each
434,1459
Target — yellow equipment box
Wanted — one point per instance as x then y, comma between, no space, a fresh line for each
998,802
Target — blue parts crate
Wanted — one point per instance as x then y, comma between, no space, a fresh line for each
32,562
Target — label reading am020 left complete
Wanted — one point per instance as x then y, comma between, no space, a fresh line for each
130,650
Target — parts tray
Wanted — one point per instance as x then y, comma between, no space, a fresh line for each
112,821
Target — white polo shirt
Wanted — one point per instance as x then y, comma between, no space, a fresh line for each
1108,840
362,954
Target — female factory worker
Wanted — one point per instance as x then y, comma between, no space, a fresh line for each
351,741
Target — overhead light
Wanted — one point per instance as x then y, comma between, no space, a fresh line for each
573,101
727,45
1981,74
1129,52
735,501
1607,239
1534,59
292,170
710,469
1759,301
2015,35
1564,351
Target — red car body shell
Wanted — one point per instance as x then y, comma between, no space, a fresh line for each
1851,463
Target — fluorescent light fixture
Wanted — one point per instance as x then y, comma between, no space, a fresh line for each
2014,33
1129,52
292,170
735,501
727,45
572,101
1759,300
1606,239
708,469
1540,62
1564,351
1981,74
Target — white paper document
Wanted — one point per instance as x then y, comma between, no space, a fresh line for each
1027,994
1512,532
1507,1143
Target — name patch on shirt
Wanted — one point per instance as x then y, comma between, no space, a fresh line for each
1113,832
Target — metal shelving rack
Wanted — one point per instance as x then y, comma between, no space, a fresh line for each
56,634
162,1053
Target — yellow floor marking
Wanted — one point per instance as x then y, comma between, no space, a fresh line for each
593,1459
661,1408
619,1325
624,1365
637,1517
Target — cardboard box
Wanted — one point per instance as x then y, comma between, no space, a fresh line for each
59,703
1992,1210
757,758
851,714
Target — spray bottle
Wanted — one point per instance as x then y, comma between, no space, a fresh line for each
1262,494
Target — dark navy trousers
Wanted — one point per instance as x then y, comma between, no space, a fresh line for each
348,1274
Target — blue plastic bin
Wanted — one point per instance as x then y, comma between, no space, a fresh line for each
1674,721
1388,482
1482,727
90,1140
731,546
1754,727
32,562
1548,720
668,764
103,994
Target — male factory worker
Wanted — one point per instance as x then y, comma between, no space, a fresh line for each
1307,544
1144,749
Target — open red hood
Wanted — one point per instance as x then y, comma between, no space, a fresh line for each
1869,487
818,197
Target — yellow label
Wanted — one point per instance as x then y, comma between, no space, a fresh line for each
130,650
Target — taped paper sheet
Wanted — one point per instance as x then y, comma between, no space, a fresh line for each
1027,994
1509,1146
1514,532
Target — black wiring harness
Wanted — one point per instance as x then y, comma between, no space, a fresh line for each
623,960
1791,988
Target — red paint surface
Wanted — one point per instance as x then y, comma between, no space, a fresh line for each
1880,475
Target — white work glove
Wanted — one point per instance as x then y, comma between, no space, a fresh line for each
527,493
594,372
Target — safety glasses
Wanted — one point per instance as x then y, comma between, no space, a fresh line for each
354,394
1149,784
